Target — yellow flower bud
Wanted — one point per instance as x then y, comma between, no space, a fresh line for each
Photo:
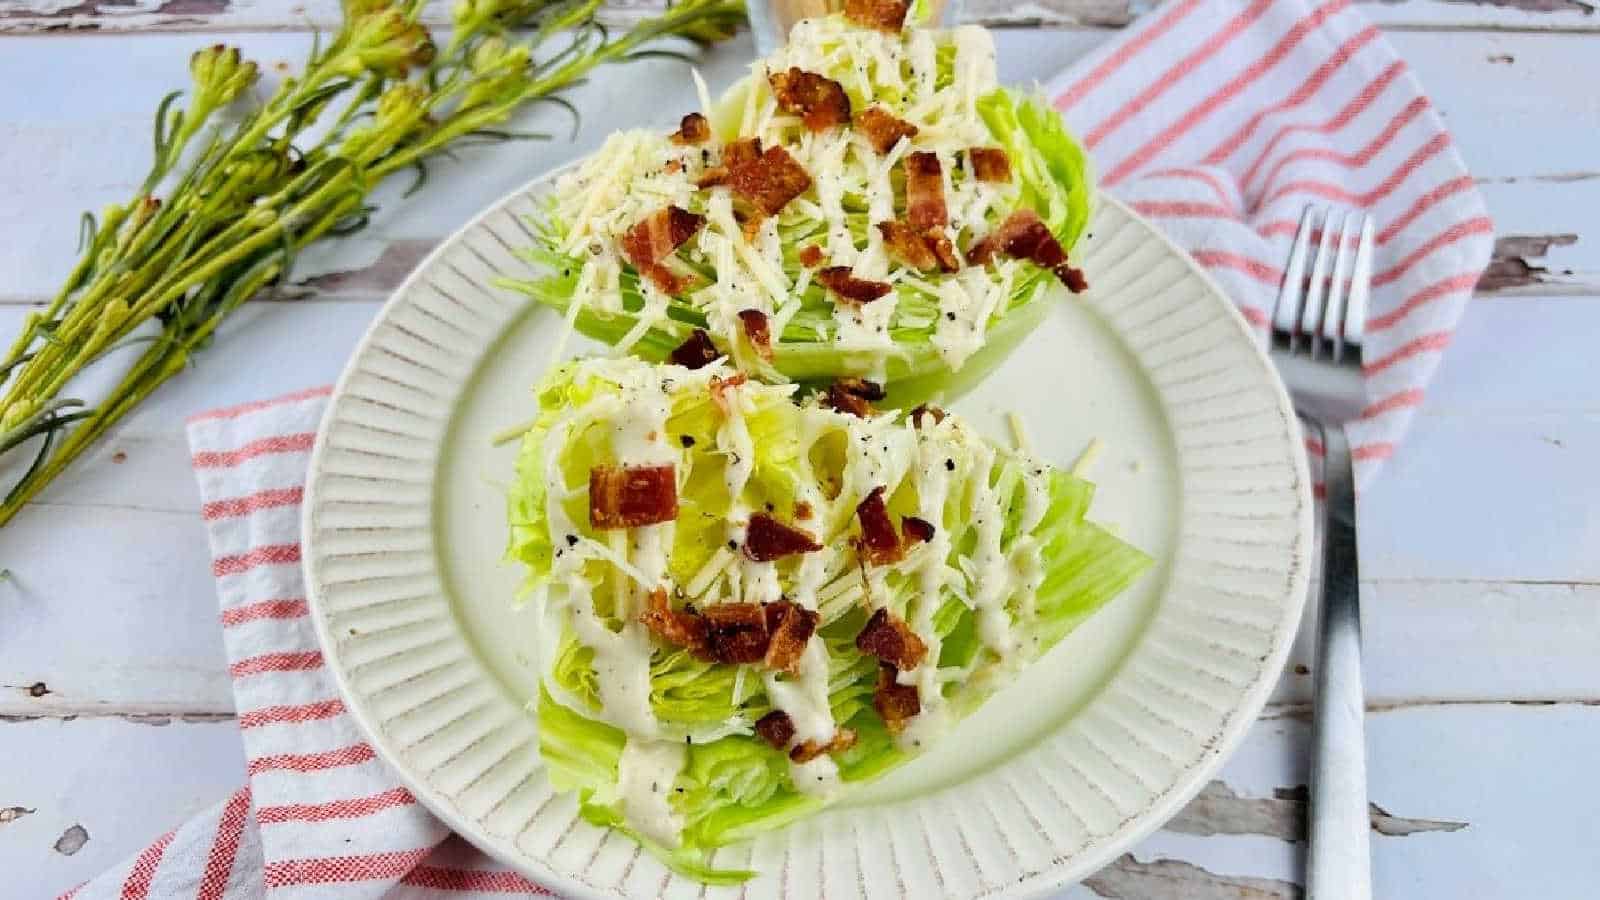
257,171
496,66
388,44
400,103
219,76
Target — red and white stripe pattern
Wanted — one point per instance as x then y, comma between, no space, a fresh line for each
1221,121
321,817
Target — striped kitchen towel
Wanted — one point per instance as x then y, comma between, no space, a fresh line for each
321,816
1218,120
1221,121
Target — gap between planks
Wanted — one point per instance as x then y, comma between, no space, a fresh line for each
1555,17
12,712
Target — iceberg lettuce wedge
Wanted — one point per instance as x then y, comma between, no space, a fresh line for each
937,332
991,560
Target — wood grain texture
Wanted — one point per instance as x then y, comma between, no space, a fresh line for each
122,783
1243,830
46,16
54,161
1500,609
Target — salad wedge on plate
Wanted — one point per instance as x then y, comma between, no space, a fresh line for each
869,201
747,604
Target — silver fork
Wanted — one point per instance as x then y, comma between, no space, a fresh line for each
1316,344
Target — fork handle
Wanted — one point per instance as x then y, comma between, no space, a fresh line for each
1339,862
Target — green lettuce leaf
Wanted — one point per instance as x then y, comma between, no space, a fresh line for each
733,785
1054,176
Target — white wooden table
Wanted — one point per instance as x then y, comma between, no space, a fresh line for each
1479,543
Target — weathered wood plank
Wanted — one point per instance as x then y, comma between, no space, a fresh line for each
1461,813
1546,243
56,147
97,791
1517,503
111,606
84,144
35,16
1528,356
1445,824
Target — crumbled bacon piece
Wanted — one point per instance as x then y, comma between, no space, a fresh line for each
982,250
632,496
734,153
776,728
853,396
880,543
768,181
932,412
681,628
720,387
736,632
802,510
907,246
791,627
843,401
884,15
895,702
1023,235
756,330
925,207
806,751
990,164
810,256
655,238
821,103
862,387
767,539
916,530
741,151
849,288
943,248
668,281
890,639
693,129
1072,277
882,128
925,250
661,232
696,352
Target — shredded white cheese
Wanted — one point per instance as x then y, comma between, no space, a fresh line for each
853,189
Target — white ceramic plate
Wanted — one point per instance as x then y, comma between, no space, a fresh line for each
1098,743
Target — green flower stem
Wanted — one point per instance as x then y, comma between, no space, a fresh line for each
243,200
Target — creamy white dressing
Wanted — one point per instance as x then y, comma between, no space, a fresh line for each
991,573
637,419
966,303
645,774
936,465
621,664
949,471
805,697
805,700
818,778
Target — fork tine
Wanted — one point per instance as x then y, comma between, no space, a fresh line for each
1286,313
1333,317
1311,313
1355,313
